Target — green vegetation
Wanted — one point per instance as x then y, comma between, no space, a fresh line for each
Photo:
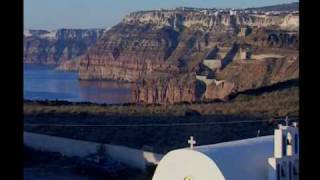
162,139
273,104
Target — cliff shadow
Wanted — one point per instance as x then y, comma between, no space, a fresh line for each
213,53
230,55
267,89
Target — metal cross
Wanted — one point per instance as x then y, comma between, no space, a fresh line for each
258,134
287,121
192,142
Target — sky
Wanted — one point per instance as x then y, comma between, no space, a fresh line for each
56,14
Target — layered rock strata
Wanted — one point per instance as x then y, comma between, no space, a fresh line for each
153,43
56,46
168,90
162,51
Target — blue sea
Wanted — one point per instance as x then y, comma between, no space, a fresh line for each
45,83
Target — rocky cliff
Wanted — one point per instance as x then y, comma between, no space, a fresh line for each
260,73
129,52
54,47
238,76
153,43
168,90
163,50
274,59
220,90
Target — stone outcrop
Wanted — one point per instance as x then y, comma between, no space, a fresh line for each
56,46
168,90
252,75
219,91
70,65
238,76
267,39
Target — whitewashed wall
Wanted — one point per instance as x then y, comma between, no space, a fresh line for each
132,157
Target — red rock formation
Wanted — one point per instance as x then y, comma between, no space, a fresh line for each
258,73
129,53
219,91
236,77
153,43
161,48
167,90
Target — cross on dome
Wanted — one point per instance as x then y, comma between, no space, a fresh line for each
192,142
287,121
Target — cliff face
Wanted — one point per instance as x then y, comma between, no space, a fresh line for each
252,75
168,90
129,52
70,65
274,41
219,90
153,43
162,51
54,47
159,49
237,77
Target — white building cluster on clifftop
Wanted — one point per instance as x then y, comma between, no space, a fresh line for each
208,18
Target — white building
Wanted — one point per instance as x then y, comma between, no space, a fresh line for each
204,79
245,52
233,13
285,163
213,64
244,31
249,159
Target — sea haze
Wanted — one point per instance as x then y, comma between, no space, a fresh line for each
44,82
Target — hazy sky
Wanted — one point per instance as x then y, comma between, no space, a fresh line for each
55,14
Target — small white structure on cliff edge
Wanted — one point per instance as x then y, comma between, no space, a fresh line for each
244,31
245,52
213,60
213,64
237,160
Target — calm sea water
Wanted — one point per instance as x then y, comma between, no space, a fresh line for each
43,82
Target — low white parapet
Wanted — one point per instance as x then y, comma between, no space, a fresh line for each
70,147
217,82
209,81
204,79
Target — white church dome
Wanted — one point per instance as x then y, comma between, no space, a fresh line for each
244,159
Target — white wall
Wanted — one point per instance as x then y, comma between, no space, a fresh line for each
213,64
204,79
132,157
